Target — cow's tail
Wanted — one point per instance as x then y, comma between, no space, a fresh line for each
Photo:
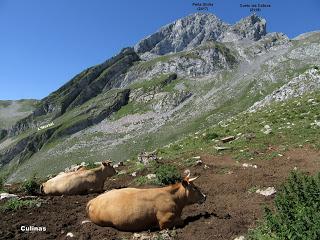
41,189
88,209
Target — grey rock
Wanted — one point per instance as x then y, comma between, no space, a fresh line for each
70,235
267,192
182,34
228,139
199,162
195,29
4,196
222,148
309,81
240,238
146,157
271,41
266,129
164,234
204,60
247,165
168,101
151,176
72,168
252,27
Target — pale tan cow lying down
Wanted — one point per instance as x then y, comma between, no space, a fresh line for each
132,209
79,182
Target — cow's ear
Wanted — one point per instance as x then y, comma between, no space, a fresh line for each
185,181
106,163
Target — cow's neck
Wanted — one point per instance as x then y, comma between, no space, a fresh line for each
99,172
178,193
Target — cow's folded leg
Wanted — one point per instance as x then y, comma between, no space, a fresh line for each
166,220
166,225
178,222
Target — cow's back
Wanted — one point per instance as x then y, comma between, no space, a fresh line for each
127,209
70,183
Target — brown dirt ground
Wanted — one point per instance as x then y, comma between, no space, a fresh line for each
230,209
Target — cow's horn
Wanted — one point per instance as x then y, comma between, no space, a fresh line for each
192,179
187,173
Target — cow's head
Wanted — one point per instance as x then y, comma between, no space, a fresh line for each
108,168
193,193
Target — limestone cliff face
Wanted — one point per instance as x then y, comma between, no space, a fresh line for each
193,30
204,60
83,87
252,27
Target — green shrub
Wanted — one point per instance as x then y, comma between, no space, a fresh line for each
91,165
176,147
16,204
189,162
297,211
210,136
167,174
31,186
143,180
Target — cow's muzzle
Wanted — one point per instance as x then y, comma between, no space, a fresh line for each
203,199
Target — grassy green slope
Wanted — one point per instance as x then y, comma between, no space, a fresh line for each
294,123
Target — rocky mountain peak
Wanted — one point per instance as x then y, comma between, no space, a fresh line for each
198,28
252,27
182,34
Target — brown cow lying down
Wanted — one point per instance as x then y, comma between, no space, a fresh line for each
79,182
132,209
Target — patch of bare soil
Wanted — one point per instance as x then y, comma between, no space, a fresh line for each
230,210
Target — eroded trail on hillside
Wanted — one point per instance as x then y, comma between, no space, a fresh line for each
232,206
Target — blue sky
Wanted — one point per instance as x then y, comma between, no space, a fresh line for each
44,43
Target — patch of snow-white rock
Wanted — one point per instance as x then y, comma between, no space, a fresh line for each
249,165
151,176
266,129
239,238
70,234
7,196
267,192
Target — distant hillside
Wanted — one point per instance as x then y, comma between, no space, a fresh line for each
13,110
